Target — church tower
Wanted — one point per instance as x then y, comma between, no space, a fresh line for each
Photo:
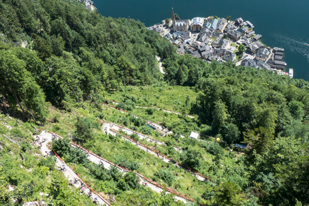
174,19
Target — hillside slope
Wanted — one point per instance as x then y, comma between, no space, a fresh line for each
59,63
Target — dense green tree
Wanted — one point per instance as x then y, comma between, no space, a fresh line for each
227,194
83,131
241,50
165,175
296,109
167,21
131,179
259,140
281,173
219,116
19,86
42,46
62,146
231,133
192,158
177,17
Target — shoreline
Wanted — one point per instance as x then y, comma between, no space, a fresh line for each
219,39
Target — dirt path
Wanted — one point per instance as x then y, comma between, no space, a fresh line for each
107,127
98,160
192,117
141,136
68,173
160,65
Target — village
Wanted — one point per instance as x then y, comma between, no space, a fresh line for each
221,39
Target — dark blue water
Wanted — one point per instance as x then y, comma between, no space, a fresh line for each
283,23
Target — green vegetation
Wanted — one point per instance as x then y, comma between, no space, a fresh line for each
171,98
75,60
111,181
177,16
241,50
28,174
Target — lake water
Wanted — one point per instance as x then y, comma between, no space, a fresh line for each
283,23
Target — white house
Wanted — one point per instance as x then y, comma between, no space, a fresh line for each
194,135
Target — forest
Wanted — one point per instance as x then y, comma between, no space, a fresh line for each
59,63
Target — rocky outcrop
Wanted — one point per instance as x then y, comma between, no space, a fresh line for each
89,4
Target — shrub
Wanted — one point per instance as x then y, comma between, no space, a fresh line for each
124,162
61,146
192,158
76,156
131,179
83,131
41,172
25,146
214,148
134,136
47,162
150,111
165,175
146,130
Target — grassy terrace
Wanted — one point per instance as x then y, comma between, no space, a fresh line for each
170,98
215,162
108,185
23,167
176,123
130,156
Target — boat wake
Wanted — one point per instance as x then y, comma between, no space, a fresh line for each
297,46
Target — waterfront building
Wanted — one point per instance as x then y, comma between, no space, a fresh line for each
250,24
278,49
230,26
234,35
214,24
239,21
180,25
253,47
207,25
262,64
259,44
245,29
262,54
257,37
278,56
251,33
221,25
197,24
